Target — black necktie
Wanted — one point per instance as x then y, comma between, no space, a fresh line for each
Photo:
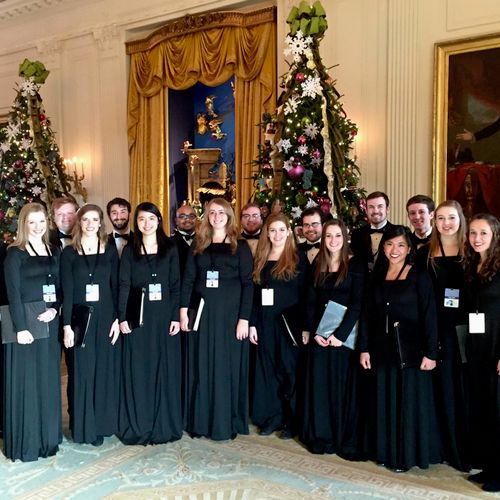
250,236
313,245
124,236
60,234
375,230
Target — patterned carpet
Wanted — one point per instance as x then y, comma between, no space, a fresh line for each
248,468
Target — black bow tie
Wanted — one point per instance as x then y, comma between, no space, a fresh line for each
251,236
375,230
187,237
60,234
124,236
313,245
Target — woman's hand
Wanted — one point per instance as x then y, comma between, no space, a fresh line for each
184,319
24,337
305,337
427,364
174,328
254,339
47,316
334,341
125,327
69,336
364,359
321,341
114,331
242,329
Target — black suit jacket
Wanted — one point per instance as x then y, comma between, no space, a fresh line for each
54,239
361,242
182,249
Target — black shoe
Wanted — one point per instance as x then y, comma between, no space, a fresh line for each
492,486
398,470
98,441
266,431
286,434
479,477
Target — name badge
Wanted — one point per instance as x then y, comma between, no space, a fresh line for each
212,279
49,293
477,323
154,291
451,297
91,293
268,296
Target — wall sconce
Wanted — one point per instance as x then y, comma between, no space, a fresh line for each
75,173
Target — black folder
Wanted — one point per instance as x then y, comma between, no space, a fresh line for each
408,346
135,307
39,329
80,320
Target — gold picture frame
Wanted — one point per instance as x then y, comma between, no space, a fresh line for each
466,103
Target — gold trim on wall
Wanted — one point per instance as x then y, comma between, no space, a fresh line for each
200,22
442,53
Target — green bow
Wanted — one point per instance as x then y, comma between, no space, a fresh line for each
34,69
309,19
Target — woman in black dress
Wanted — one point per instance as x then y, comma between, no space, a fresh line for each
443,259
330,409
151,362
279,276
483,347
89,273
32,366
401,426
219,271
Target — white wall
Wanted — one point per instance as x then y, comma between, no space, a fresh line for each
383,49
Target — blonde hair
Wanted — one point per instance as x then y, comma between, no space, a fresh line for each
286,266
205,231
22,236
76,234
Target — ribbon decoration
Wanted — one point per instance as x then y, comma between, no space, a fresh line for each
309,19
33,69
327,160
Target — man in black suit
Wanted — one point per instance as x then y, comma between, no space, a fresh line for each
420,210
365,241
63,214
312,226
251,225
118,210
185,220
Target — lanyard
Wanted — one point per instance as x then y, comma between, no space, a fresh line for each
91,274
150,262
50,274
401,272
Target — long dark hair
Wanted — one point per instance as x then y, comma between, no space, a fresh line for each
382,263
323,258
161,238
491,264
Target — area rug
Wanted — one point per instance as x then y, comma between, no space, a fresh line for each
248,468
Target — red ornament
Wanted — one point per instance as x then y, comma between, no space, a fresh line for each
300,77
317,154
296,172
325,205
354,133
42,117
301,139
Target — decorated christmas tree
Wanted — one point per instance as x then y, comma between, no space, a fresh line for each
31,168
314,137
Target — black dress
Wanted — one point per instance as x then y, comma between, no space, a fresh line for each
33,425
274,395
150,407
94,371
401,428
330,403
218,361
450,374
483,354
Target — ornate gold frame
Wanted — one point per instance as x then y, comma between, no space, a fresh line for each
442,53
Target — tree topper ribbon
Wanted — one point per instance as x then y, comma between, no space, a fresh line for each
33,69
309,19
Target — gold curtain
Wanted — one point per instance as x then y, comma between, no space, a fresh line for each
211,56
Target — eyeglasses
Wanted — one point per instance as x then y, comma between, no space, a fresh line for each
315,225
250,216
186,216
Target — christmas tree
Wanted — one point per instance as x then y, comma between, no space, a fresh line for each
314,137
31,168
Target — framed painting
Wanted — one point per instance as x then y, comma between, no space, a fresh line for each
466,145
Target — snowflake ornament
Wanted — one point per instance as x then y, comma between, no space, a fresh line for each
302,150
291,105
296,212
288,164
36,190
312,87
26,143
12,130
284,145
29,87
311,203
5,146
311,130
13,200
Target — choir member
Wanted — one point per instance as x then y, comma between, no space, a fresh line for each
218,271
